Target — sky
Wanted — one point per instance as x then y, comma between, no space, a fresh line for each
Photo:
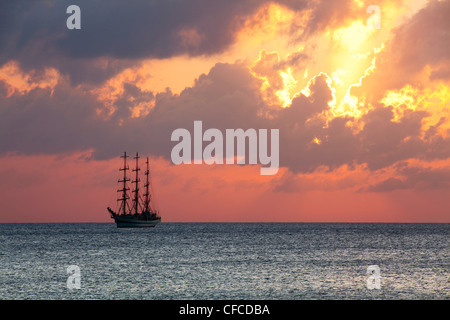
360,96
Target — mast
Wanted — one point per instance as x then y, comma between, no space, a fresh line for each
147,194
136,187
124,188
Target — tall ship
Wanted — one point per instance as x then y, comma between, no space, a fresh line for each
134,211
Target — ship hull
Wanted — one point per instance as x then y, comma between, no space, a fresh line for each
130,222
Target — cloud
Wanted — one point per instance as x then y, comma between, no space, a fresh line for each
422,41
229,96
64,116
118,34
415,178
42,121
385,141
115,34
331,13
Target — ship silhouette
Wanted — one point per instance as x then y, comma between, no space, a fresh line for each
137,213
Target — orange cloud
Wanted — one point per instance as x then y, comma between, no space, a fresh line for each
18,81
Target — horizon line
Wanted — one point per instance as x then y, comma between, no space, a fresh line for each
103,222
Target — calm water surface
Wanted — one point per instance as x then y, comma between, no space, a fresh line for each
225,261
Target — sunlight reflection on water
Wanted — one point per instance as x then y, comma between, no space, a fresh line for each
225,261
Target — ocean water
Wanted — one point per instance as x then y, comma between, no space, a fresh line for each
225,261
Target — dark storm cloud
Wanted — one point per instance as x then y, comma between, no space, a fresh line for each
120,33
139,29
35,32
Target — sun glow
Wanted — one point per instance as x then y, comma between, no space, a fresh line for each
346,55
288,91
269,28
434,100
351,105
352,37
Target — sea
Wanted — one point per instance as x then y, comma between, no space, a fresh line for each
238,261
